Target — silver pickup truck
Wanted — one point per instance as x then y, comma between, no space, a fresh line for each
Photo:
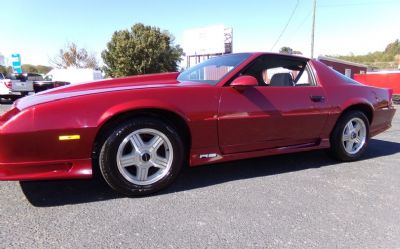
23,83
17,85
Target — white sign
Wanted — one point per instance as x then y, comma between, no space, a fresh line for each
203,41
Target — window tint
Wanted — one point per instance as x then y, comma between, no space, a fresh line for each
34,77
346,79
214,69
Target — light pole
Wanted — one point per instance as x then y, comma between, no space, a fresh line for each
313,28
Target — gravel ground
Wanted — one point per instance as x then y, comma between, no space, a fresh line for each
302,200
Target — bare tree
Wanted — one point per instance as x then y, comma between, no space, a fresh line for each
72,56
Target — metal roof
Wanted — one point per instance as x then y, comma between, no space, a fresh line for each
326,58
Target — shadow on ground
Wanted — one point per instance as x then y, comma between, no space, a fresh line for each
6,101
57,193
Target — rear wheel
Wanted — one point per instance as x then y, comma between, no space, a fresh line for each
349,138
141,156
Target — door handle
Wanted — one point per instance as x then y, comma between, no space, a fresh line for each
317,98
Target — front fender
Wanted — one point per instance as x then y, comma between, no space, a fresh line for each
139,105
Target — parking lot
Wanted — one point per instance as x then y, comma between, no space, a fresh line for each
304,200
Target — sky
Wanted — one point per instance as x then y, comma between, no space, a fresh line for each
38,29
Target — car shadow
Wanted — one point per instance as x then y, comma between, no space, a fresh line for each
68,192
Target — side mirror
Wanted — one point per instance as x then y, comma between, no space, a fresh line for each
243,82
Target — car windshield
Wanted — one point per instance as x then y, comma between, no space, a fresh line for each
214,69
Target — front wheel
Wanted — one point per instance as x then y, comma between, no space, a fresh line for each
141,156
349,138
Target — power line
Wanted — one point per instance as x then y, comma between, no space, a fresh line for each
357,3
287,24
296,30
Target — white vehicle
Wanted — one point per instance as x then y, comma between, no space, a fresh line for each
6,88
74,75
60,77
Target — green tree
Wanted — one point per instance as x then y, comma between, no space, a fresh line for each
72,56
43,69
141,50
378,59
286,50
29,68
5,70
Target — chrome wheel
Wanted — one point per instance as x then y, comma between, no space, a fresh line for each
354,136
145,156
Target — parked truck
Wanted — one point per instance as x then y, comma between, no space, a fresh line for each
62,77
17,85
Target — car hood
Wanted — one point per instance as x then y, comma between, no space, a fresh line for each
119,84
141,81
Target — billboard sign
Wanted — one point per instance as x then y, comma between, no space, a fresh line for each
205,41
16,63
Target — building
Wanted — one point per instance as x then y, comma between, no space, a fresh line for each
384,79
345,67
2,60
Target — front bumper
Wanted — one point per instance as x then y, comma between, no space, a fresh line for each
46,170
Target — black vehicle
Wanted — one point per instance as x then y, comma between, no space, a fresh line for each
47,83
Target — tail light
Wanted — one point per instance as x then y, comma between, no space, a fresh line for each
8,83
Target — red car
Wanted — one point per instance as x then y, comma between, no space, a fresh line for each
140,131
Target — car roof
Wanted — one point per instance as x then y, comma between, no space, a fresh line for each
281,54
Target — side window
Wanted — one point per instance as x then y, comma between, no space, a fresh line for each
280,71
34,77
347,72
305,79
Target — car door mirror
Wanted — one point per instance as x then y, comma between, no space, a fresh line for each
243,82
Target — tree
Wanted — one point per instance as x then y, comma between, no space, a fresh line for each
5,70
29,68
286,50
43,69
72,56
378,59
141,50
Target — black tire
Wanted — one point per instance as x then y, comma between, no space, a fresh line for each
108,157
338,150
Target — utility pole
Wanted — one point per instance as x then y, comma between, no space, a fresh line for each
313,28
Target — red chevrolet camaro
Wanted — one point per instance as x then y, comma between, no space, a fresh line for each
140,131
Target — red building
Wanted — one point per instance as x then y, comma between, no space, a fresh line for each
345,67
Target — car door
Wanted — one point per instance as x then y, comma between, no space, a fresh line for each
271,116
